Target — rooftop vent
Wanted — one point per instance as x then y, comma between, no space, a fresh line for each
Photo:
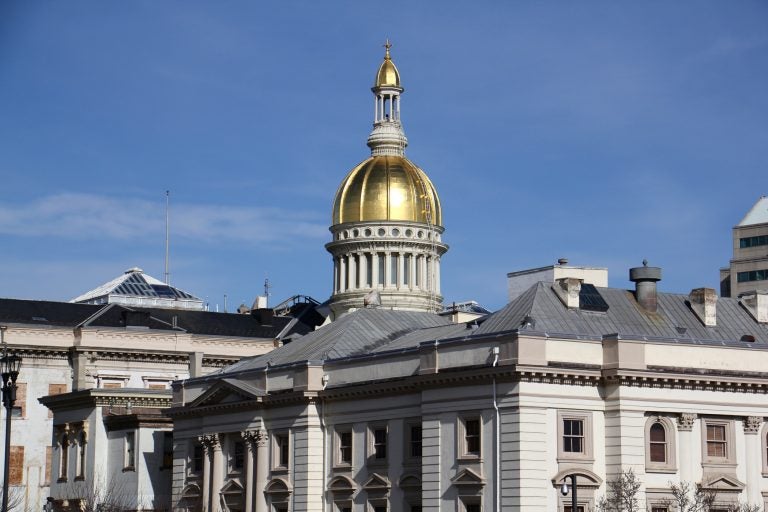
645,279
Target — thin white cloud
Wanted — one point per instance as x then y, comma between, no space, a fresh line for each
85,216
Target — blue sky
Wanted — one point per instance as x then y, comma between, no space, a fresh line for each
604,132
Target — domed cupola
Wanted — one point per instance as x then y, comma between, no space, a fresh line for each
387,220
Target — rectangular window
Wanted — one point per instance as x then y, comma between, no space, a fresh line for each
470,437
752,275
470,504
753,241
406,268
167,450
344,444
368,270
130,450
717,442
415,442
238,455
281,449
573,435
55,389
48,464
393,260
568,508
20,407
380,443
16,473
378,506
197,458
63,457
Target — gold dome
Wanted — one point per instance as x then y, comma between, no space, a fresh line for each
387,187
388,75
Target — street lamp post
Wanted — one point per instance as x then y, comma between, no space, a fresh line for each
564,491
9,365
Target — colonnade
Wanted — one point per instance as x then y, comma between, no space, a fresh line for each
392,270
381,112
255,471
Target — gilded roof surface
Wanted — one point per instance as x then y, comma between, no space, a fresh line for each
387,187
388,75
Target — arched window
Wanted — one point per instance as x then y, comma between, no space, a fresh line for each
660,456
657,440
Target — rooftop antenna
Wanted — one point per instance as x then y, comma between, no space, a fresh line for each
267,287
167,202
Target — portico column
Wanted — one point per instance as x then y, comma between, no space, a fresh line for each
685,424
217,475
262,468
400,266
249,437
437,276
203,440
754,457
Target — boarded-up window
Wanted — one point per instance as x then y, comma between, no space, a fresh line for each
55,389
16,474
48,464
111,384
157,385
20,407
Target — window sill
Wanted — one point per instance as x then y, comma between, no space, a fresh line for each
61,480
724,464
342,467
280,469
129,469
668,469
79,479
469,459
576,458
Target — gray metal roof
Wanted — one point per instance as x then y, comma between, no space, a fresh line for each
367,331
356,333
673,319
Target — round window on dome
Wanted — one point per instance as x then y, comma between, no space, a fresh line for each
408,233
368,232
355,233
395,232
382,231
420,234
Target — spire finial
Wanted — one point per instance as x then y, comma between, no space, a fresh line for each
387,45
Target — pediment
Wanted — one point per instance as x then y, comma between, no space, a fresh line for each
722,483
191,491
410,481
584,478
467,477
232,487
227,391
278,486
377,482
342,484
